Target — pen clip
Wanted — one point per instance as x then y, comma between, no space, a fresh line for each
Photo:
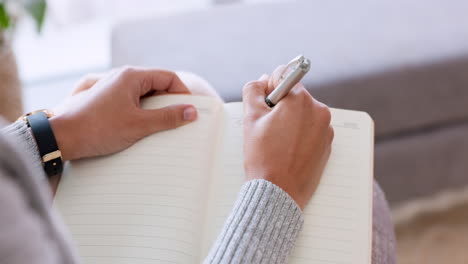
298,63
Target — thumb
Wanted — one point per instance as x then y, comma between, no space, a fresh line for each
169,117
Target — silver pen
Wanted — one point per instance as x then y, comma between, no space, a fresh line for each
294,72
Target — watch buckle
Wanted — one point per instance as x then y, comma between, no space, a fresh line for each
51,156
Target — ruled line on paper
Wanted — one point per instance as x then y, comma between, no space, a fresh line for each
130,235
317,259
130,175
123,257
154,159
132,183
159,166
342,207
340,217
137,225
144,247
324,249
97,207
335,196
129,214
336,185
305,236
128,194
142,204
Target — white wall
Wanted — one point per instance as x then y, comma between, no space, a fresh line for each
76,40
73,11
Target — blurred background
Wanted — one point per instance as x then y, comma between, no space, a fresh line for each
76,39
404,62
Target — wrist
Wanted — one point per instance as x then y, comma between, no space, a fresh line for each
65,135
282,182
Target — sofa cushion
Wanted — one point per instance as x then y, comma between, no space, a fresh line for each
404,62
420,165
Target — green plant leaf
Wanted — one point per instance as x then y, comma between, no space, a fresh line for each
4,17
37,9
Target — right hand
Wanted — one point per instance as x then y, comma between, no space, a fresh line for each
288,145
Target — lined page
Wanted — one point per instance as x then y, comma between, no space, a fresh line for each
144,204
338,224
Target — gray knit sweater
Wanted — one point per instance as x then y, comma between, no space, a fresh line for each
261,228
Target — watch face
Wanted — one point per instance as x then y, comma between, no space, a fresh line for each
48,113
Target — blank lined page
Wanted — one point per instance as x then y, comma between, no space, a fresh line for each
338,224
144,204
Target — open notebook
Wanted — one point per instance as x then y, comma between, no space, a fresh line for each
165,199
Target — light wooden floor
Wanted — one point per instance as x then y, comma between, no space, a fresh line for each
435,235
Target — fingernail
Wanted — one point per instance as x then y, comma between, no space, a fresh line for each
190,113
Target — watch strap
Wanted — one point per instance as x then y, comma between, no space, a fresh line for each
46,143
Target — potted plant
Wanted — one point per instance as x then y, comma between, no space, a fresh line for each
10,87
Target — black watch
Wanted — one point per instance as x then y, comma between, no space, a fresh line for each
42,132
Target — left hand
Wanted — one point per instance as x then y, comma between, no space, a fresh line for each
104,115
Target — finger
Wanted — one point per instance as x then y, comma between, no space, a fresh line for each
87,82
167,118
293,96
155,80
254,94
276,78
264,77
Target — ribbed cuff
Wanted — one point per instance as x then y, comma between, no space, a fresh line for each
21,134
262,227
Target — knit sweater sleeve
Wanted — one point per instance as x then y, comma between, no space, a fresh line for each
261,228
22,135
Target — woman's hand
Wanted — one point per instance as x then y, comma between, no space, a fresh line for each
104,115
289,144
